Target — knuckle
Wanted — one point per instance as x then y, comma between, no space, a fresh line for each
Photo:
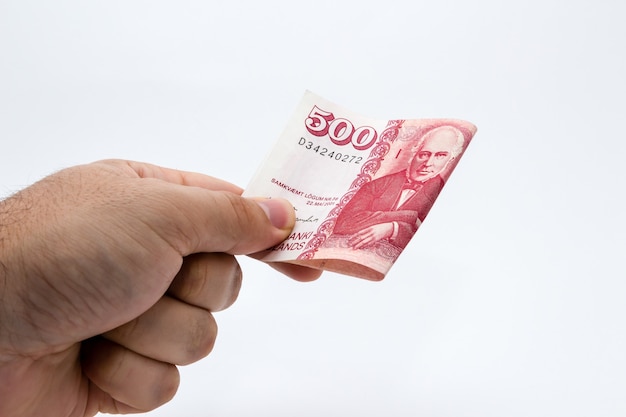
195,282
234,287
243,219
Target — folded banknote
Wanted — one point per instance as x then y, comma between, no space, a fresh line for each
361,187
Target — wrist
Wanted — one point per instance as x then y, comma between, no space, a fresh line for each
4,278
12,216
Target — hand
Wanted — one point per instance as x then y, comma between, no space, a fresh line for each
371,235
109,273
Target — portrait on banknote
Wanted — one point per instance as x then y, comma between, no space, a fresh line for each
379,215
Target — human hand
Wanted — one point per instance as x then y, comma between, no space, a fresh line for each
371,235
109,273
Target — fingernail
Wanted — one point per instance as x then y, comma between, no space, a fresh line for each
280,212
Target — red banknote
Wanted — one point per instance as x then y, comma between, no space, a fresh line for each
361,187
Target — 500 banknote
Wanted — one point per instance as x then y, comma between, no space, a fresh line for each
361,188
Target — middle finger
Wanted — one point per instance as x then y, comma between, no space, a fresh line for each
208,280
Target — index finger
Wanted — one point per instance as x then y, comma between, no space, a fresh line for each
174,176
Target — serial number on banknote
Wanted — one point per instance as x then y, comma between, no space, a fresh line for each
322,151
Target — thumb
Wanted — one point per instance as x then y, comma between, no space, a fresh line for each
218,221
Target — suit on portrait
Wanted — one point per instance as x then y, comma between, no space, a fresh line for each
381,201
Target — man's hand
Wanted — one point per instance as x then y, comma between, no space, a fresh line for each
371,235
109,273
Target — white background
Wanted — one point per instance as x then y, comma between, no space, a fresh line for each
510,300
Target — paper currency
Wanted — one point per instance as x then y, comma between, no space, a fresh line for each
361,188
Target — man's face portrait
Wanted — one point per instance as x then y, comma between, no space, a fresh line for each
432,156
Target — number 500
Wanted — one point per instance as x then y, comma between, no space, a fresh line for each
340,131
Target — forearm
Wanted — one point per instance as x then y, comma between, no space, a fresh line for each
6,265
15,369
14,228
24,261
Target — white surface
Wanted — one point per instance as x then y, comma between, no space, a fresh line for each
510,300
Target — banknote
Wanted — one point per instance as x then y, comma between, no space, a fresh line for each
360,187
